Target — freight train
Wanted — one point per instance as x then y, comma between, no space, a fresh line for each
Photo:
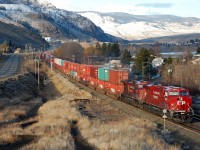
116,83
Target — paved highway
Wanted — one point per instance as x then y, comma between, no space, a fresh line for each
11,66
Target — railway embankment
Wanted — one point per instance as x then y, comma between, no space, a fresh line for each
69,117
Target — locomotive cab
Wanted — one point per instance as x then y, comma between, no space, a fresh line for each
179,102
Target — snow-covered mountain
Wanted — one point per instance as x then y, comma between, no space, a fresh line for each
41,3
135,27
43,18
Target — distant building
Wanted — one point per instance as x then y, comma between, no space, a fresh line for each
18,50
48,39
115,62
157,62
75,40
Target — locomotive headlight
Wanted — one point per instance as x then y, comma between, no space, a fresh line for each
181,98
172,104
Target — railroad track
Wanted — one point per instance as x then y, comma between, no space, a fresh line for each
188,130
196,117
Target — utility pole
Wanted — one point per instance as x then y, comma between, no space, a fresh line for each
38,70
164,117
142,70
143,67
35,64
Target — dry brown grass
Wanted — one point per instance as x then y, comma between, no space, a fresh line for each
66,87
12,109
127,134
54,125
10,134
55,116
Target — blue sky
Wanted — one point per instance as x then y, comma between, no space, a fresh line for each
185,8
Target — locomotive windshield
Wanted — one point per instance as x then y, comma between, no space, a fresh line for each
173,93
176,93
184,93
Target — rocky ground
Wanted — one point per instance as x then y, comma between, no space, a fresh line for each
63,116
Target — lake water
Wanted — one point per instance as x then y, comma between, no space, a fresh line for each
174,54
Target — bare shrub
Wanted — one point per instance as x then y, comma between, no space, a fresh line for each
12,113
127,134
53,126
68,49
10,135
187,76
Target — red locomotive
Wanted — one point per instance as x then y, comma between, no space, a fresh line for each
175,100
155,98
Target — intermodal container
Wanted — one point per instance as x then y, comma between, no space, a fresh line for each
83,69
66,67
116,88
73,73
116,76
66,64
103,74
78,77
102,84
92,71
78,68
62,62
85,78
93,81
58,61
58,67
73,66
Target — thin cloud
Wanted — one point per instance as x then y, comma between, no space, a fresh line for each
156,5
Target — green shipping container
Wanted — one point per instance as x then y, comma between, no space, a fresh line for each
103,74
73,73
62,62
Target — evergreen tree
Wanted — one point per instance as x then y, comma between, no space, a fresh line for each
143,59
115,51
198,50
108,49
97,49
103,48
126,57
192,41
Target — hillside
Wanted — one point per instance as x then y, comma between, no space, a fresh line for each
20,36
137,27
170,39
42,18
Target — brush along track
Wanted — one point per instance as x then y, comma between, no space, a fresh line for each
189,132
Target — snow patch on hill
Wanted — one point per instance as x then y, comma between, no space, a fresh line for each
139,28
43,18
14,7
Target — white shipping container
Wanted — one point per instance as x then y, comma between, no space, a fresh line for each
75,74
58,61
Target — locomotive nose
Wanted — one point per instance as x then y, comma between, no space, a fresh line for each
180,98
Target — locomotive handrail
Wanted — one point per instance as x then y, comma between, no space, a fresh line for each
191,109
